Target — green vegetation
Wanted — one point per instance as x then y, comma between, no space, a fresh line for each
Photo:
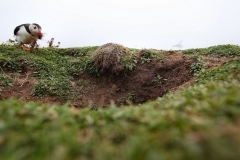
129,62
196,67
131,97
198,122
158,79
5,81
52,67
148,55
220,50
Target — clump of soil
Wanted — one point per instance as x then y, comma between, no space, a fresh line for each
146,82
107,57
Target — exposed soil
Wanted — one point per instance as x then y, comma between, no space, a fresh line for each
146,82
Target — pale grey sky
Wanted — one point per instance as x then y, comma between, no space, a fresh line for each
158,24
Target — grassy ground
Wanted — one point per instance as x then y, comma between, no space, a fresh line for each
198,122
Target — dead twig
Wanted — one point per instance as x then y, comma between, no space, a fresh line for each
50,43
25,79
5,73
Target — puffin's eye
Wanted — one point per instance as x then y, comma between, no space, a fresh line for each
35,27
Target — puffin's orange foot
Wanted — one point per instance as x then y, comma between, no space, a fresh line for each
24,48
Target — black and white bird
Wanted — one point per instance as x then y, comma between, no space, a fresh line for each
28,34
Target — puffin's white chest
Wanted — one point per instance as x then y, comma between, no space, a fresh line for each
24,37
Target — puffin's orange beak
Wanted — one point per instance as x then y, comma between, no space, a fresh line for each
40,35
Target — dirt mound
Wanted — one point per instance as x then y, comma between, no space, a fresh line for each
146,81
107,57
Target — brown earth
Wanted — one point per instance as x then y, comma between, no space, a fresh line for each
147,81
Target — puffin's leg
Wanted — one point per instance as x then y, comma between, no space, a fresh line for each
33,45
24,48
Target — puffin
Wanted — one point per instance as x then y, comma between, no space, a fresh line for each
28,34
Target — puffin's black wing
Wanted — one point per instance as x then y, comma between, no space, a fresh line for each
27,28
17,28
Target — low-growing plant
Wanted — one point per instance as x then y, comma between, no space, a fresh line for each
196,67
77,52
85,64
223,50
58,87
194,51
131,96
148,55
87,50
158,78
5,81
197,58
11,64
129,62
220,50
229,70
94,107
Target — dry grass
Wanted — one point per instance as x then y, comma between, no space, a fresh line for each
107,57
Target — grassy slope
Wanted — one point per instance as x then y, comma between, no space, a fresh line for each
198,122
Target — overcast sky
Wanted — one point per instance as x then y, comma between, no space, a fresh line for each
158,24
